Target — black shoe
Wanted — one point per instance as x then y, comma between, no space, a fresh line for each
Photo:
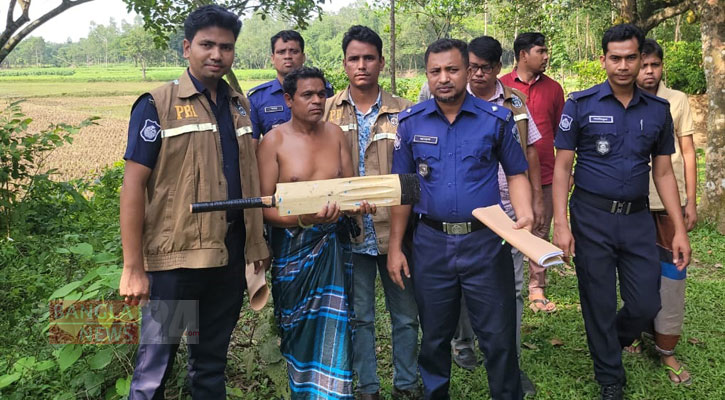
466,359
612,392
528,387
411,394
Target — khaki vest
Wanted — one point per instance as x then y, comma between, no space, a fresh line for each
378,151
188,170
521,116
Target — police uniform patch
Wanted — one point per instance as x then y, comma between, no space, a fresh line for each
603,146
515,131
240,109
150,130
565,122
396,143
423,169
516,101
393,118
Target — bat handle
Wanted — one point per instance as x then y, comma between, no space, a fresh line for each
234,204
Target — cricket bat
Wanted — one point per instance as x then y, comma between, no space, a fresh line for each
297,198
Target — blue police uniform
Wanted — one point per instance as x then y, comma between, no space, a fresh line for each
268,108
219,290
453,254
612,228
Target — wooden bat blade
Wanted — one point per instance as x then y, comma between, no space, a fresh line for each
297,198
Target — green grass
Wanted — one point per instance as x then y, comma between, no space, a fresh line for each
113,73
49,89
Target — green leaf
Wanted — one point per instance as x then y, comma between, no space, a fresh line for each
62,250
44,365
69,355
65,290
269,351
8,379
101,359
24,363
83,249
103,258
123,386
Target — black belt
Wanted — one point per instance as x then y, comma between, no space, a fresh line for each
611,206
453,228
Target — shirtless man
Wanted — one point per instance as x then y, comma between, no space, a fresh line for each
312,265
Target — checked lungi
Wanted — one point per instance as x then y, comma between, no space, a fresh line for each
311,286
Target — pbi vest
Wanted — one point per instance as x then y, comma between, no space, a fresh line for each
189,170
378,150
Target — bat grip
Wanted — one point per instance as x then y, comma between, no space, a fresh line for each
234,204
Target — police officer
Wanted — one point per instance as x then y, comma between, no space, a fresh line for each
267,100
455,143
614,128
189,141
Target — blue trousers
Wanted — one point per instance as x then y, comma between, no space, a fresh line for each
606,246
219,292
404,318
477,267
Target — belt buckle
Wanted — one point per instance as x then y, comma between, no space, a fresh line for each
457,228
621,207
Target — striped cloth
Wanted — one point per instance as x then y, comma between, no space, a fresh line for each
311,286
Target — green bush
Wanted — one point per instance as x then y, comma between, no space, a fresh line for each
683,66
589,73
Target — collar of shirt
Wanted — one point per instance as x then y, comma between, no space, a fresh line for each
222,89
276,86
605,89
467,106
497,97
516,77
375,106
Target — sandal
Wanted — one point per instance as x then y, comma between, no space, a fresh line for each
677,373
544,302
635,347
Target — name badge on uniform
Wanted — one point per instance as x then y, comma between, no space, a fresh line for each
603,146
273,109
425,139
601,119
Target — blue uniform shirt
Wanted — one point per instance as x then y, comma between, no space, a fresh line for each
268,108
613,144
144,151
457,164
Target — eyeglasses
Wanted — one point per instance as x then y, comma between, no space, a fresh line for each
486,69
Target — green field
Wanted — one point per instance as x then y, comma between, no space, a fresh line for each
113,73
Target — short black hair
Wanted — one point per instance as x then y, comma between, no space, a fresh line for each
211,15
289,85
441,45
525,41
652,48
621,33
487,48
362,34
286,36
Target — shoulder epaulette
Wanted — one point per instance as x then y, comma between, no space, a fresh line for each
256,88
574,96
412,110
500,112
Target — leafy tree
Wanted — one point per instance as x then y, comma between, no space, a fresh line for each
138,44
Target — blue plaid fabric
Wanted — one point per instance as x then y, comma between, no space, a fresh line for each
311,287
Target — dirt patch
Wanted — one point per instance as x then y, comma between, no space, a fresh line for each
698,108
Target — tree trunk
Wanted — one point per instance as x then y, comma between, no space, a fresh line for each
392,47
677,28
712,31
143,68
